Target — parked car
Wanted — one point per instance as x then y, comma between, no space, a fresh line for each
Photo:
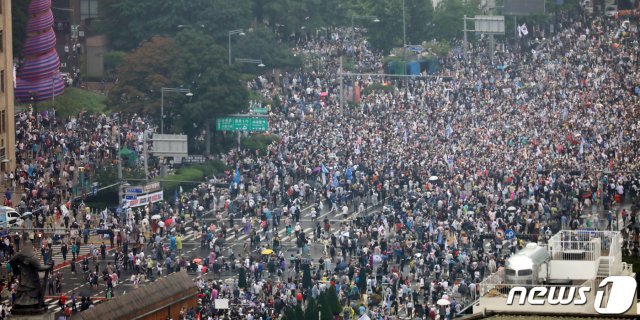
611,11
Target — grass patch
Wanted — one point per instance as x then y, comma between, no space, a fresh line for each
172,182
75,100
194,173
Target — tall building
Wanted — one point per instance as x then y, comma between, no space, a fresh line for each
7,119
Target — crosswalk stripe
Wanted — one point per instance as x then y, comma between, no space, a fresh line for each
293,237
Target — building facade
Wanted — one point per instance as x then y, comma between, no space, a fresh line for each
7,119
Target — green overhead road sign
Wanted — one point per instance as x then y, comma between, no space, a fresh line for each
242,124
260,110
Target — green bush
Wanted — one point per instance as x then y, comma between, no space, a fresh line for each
193,173
172,182
258,142
210,168
375,87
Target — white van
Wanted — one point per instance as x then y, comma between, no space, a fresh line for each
9,217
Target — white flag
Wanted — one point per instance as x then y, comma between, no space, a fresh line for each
523,27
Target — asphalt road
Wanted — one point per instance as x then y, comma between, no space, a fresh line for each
191,249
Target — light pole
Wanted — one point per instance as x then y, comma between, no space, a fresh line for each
239,32
254,61
404,28
372,18
162,91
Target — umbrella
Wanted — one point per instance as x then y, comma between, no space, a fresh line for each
267,251
323,94
197,260
317,169
27,215
418,254
168,222
434,178
512,208
200,208
155,217
161,224
145,221
443,302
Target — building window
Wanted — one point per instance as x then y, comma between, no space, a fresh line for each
1,39
3,121
88,9
2,80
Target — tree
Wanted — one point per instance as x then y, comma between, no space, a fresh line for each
332,301
242,279
311,311
19,16
217,89
306,276
362,279
261,43
294,313
141,75
192,60
113,60
129,22
321,302
448,18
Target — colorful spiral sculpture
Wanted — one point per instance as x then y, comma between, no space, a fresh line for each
39,74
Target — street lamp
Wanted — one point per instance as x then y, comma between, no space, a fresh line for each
254,61
180,26
371,18
187,92
239,32
404,27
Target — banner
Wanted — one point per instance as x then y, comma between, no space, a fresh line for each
144,199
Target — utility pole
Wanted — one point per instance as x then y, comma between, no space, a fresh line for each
341,85
465,37
119,156
145,155
161,111
208,146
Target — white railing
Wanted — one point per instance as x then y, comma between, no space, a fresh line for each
586,235
491,282
574,250
576,241
615,250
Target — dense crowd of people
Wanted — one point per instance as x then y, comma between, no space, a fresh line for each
422,175
543,138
